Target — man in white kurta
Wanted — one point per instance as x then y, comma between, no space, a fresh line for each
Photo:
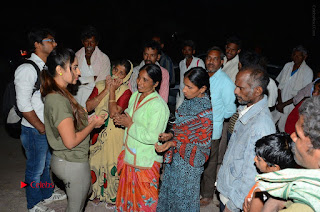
188,50
291,79
97,71
231,67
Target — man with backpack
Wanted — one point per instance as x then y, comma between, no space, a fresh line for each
33,138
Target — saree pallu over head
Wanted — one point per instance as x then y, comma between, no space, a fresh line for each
106,148
102,108
192,131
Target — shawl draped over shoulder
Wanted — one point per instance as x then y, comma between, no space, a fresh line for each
192,131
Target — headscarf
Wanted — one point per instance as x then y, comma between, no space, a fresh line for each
103,105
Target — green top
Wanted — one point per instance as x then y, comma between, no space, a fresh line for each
56,109
150,118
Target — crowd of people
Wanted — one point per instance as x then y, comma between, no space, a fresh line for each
103,129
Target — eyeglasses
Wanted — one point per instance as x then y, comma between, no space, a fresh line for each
49,40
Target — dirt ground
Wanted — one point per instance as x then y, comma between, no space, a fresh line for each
12,167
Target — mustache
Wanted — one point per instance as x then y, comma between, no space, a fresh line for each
89,48
147,61
238,97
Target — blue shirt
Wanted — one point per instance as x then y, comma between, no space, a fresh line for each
222,100
237,172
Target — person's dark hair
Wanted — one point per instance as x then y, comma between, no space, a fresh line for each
199,77
154,73
125,63
89,32
236,40
247,58
300,48
153,45
310,110
37,35
189,43
216,48
61,57
160,36
258,77
275,149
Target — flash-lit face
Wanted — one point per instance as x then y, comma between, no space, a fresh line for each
232,50
89,45
145,83
190,90
243,91
119,71
304,153
150,56
75,71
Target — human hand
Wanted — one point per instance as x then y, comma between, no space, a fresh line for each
115,83
108,82
280,107
273,205
41,129
246,205
164,147
165,136
98,121
226,209
123,120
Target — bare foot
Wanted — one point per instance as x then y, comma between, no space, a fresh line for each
96,201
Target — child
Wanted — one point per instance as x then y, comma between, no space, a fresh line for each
273,153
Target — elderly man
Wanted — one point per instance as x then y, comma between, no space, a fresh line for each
93,63
237,175
151,55
294,76
223,107
300,186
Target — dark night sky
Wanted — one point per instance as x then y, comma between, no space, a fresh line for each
272,25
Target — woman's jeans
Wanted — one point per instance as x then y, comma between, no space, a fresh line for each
77,179
37,174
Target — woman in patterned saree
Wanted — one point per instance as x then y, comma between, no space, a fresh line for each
189,148
138,164
105,150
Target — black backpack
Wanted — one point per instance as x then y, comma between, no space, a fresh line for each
10,103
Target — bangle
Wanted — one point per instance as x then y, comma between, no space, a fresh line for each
112,100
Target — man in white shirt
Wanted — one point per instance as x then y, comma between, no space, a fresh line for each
231,60
93,63
33,136
189,61
294,76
